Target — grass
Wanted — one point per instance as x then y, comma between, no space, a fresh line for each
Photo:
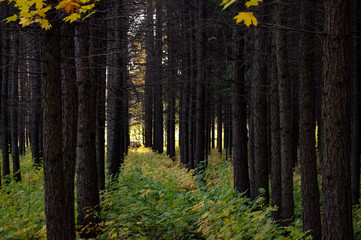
156,198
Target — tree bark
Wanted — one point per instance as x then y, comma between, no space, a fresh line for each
14,100
115,120
260,113
69,121
239,109
356,98
336,179
148,99
310,193
158,80
285,115
276,180
56,223
87,180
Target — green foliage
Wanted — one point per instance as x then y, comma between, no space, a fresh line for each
22,205
152,199
155,198
226,214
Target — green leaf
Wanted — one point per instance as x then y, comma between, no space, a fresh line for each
252,3
13,18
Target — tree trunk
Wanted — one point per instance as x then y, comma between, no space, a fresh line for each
98,72
14,100
356,98
239,108
56,223
310,193
69,120
158,80
87,180
336,179
200,128
5,99
219,123
148,99
285,115
260,113
276,183
35,82
116,52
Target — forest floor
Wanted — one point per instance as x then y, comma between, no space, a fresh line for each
156,198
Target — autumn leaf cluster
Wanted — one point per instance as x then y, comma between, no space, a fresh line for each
247,17
34,11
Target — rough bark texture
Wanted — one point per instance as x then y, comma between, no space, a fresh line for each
35,115
5,99
275,140
171,25
356,98
56,224
239,108
200,128
14,100
98,73
115,61
310,193
148,91
158,81
219,124
69,120
87,181
260,112
336,179
285,115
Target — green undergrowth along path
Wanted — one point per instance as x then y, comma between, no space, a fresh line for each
155,198
22,204
152,199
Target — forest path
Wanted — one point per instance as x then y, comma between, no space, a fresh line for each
154,198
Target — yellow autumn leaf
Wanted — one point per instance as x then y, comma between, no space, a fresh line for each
247,17
25,21
252,3
44,23
12,18
69,5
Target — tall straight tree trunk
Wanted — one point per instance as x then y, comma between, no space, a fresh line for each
260,112
285,115
87,180
5,98
14,100
171,25
276,182
5,108
97,47
158,80
35,114
336,179
1,71
116,48
219,123
200,128
356,98
148,91
310,193
22,95
239,108
69,120
56,222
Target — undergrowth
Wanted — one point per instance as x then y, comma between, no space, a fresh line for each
156,198
22,204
